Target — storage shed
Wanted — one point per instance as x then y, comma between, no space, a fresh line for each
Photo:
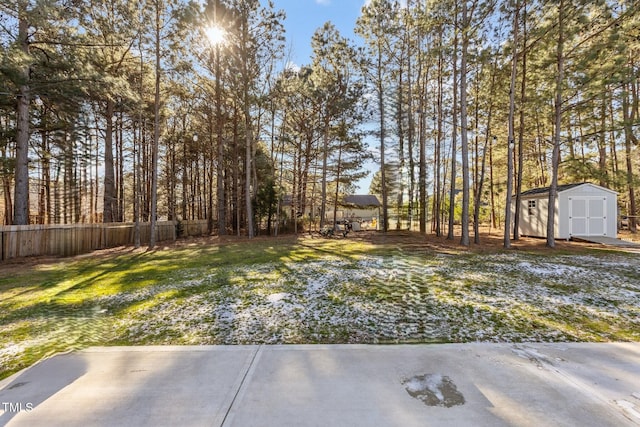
582,209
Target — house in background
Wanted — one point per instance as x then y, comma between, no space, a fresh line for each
582,209
362,209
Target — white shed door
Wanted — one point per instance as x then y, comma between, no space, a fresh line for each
587,216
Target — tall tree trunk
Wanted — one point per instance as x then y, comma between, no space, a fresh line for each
486,148
6,190
246,81
411,129
120,145
511,137
492,193
280,177
555,157
220,190
21,188
77,189
156,133
628,140
337,193
68,180
185,179
110,198
438,191
136,183
454,131
46,173
383,172
602,144
220,178
248,164
323,190
97,180
422,168
56,196
464,239
304,174
401,131
211,167
236,170
541,153
295,196
521,130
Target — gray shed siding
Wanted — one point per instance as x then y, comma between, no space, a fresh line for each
585,209
533,222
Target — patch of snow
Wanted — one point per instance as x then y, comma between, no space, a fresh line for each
10,351
432,383
392,298
548,269
275,298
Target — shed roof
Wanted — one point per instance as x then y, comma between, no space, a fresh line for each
560,188
362,200
545,190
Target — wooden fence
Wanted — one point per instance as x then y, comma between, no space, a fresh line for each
66,240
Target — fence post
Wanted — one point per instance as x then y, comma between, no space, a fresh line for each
2,245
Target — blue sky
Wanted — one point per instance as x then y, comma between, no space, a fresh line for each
305,16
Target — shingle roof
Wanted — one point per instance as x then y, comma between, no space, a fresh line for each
362,200
545,190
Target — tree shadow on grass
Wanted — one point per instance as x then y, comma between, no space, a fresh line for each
232,272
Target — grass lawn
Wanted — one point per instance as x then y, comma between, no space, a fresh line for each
313,290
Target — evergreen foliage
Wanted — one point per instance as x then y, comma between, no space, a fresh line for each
467,104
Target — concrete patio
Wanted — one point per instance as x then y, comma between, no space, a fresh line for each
476,384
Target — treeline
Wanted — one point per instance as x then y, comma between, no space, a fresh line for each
102,101
481,100
130,111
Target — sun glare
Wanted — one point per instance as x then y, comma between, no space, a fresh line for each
216,35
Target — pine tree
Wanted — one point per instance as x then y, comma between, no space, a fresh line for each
338,92
374,26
